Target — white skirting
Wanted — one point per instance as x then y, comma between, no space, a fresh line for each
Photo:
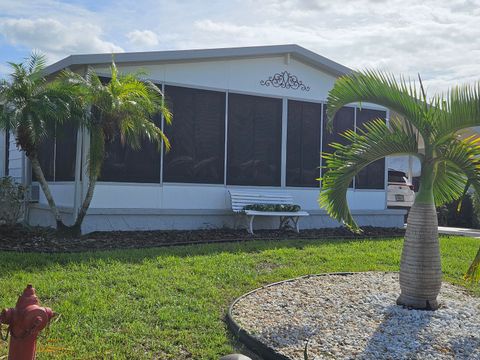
165,219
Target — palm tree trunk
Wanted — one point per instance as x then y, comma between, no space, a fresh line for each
420,266
37,170
85,205
96,155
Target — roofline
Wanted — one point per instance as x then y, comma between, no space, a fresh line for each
294,50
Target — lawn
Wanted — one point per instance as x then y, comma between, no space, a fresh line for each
169,303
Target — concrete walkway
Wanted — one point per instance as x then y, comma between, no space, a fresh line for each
475,233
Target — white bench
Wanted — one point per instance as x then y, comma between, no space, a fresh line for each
241,198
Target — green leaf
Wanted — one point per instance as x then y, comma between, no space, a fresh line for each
377,141
383,89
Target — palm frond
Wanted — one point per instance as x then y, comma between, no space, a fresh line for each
473,272
377,141
380,88
460,158
96,152
449,184
460,109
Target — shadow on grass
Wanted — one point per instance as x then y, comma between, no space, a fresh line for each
29,261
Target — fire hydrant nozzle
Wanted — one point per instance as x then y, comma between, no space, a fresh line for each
25,322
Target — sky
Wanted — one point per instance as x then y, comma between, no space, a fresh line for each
439,39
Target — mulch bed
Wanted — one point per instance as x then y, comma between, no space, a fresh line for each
38,239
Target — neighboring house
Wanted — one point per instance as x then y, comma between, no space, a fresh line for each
245,118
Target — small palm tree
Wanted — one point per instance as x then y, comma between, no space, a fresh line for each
122,107
449,164
473,272
31,107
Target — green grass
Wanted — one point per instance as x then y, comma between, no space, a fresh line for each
170,303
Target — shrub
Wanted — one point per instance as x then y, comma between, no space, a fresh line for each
273,207
12,198
467,217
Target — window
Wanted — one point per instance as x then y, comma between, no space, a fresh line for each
373,175
344,120
57,154
124,164
254,140
65,152
303,143
197,136
46,156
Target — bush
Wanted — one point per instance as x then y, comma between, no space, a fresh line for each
467,217
12,198
273,207
476,212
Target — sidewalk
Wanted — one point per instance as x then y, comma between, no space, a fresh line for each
475,233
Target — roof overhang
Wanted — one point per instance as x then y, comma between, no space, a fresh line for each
293,50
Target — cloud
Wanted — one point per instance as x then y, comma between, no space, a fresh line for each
142,38
438,38
55,38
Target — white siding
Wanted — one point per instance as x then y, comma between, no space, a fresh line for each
239,75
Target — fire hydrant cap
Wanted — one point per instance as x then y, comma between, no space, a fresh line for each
27,298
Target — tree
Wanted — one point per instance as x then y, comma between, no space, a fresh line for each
121,108
32,107
449,163
473,272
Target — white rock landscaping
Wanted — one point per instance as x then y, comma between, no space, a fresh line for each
354,316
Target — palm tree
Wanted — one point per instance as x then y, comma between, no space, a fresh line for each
449,163
473,272
31,107
122,107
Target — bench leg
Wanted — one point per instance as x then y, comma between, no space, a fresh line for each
283,222
295,222
235,221
285,219
250,223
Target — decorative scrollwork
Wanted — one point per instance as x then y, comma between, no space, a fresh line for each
285,80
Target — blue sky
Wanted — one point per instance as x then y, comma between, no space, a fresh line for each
440,39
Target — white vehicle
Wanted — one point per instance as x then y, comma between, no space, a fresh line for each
400,193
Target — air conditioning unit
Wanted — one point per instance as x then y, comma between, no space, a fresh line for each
34,195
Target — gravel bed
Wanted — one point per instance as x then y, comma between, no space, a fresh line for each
38,239
355,317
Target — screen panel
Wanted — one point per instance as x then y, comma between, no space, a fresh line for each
344,120
46,156
373,175
303,143
65,152
197,136
254,140
124,164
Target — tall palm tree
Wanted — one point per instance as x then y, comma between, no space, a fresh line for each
121,108
31,107
449,163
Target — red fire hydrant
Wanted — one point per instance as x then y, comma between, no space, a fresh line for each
25,322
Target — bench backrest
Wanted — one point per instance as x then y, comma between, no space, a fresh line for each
242,198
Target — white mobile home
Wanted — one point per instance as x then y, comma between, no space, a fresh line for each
243,118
